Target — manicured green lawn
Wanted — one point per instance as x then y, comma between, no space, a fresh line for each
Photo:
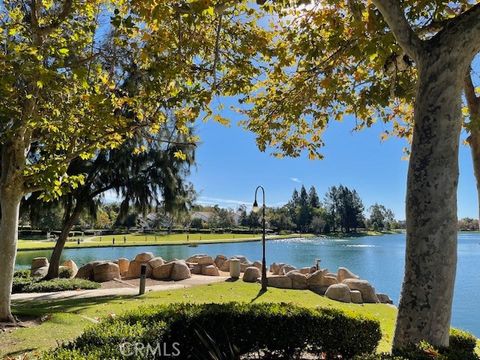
150,239
66,319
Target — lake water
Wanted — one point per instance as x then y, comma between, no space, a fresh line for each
379,259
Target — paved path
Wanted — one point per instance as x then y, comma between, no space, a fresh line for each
195,280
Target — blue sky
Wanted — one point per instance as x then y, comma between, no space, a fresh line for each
229,167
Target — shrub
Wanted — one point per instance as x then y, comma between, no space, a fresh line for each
27,285
60,285
65,273
24,274
274,330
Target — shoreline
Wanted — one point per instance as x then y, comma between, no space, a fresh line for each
195,243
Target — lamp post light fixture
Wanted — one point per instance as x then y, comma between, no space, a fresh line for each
256,209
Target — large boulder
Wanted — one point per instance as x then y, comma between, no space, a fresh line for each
339,292
135,269
317,278
243,259
307,270
344,273
180,271
356,297
219,260
70,264
163,272
194,258
225,266
251,274
210,270
206,260
299,280
258,265
86,271
196,269
367,290
275,268
39,262
39,272
244,266
123,264
156,262
144,257
106,272
281,281
286,269
384,299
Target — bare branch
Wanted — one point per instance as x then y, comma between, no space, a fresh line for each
393,14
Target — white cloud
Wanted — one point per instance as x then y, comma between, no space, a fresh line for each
297,180
206,200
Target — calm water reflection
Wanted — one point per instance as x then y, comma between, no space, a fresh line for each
379,259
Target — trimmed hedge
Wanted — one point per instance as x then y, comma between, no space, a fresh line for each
271,330
24,283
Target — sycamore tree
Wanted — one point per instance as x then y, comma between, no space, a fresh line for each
66,90
382,59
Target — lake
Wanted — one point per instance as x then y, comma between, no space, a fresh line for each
379,259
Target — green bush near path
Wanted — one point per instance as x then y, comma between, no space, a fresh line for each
274,330
24,283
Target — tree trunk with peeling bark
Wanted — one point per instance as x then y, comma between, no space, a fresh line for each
11,192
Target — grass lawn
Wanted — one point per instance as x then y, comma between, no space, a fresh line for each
148,239
67,318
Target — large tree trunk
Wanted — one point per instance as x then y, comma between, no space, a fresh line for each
67,226
431,253
11,192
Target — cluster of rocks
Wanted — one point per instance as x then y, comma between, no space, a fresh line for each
343,286
40,266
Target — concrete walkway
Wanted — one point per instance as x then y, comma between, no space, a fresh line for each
195,280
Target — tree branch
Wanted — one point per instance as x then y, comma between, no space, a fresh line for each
393,14
66,9
473,101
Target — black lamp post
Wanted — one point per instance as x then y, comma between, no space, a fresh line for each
264,263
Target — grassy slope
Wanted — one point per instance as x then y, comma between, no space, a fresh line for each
150,239
67,319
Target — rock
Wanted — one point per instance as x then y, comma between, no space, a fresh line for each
356,297
135,268
331,275
275,268
339,292
163,272
307,270
286,269
180,271
123,264
299,280
316,278
210,270
251,274
106,272
344,273
196,269
242,259
86,271
156,262
40,272
281,282
329,280
226,266
144,257
219,260
258,265
244,266
367,290
384,299
234,268
318,289
194,258
72,266
206,260
39,262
